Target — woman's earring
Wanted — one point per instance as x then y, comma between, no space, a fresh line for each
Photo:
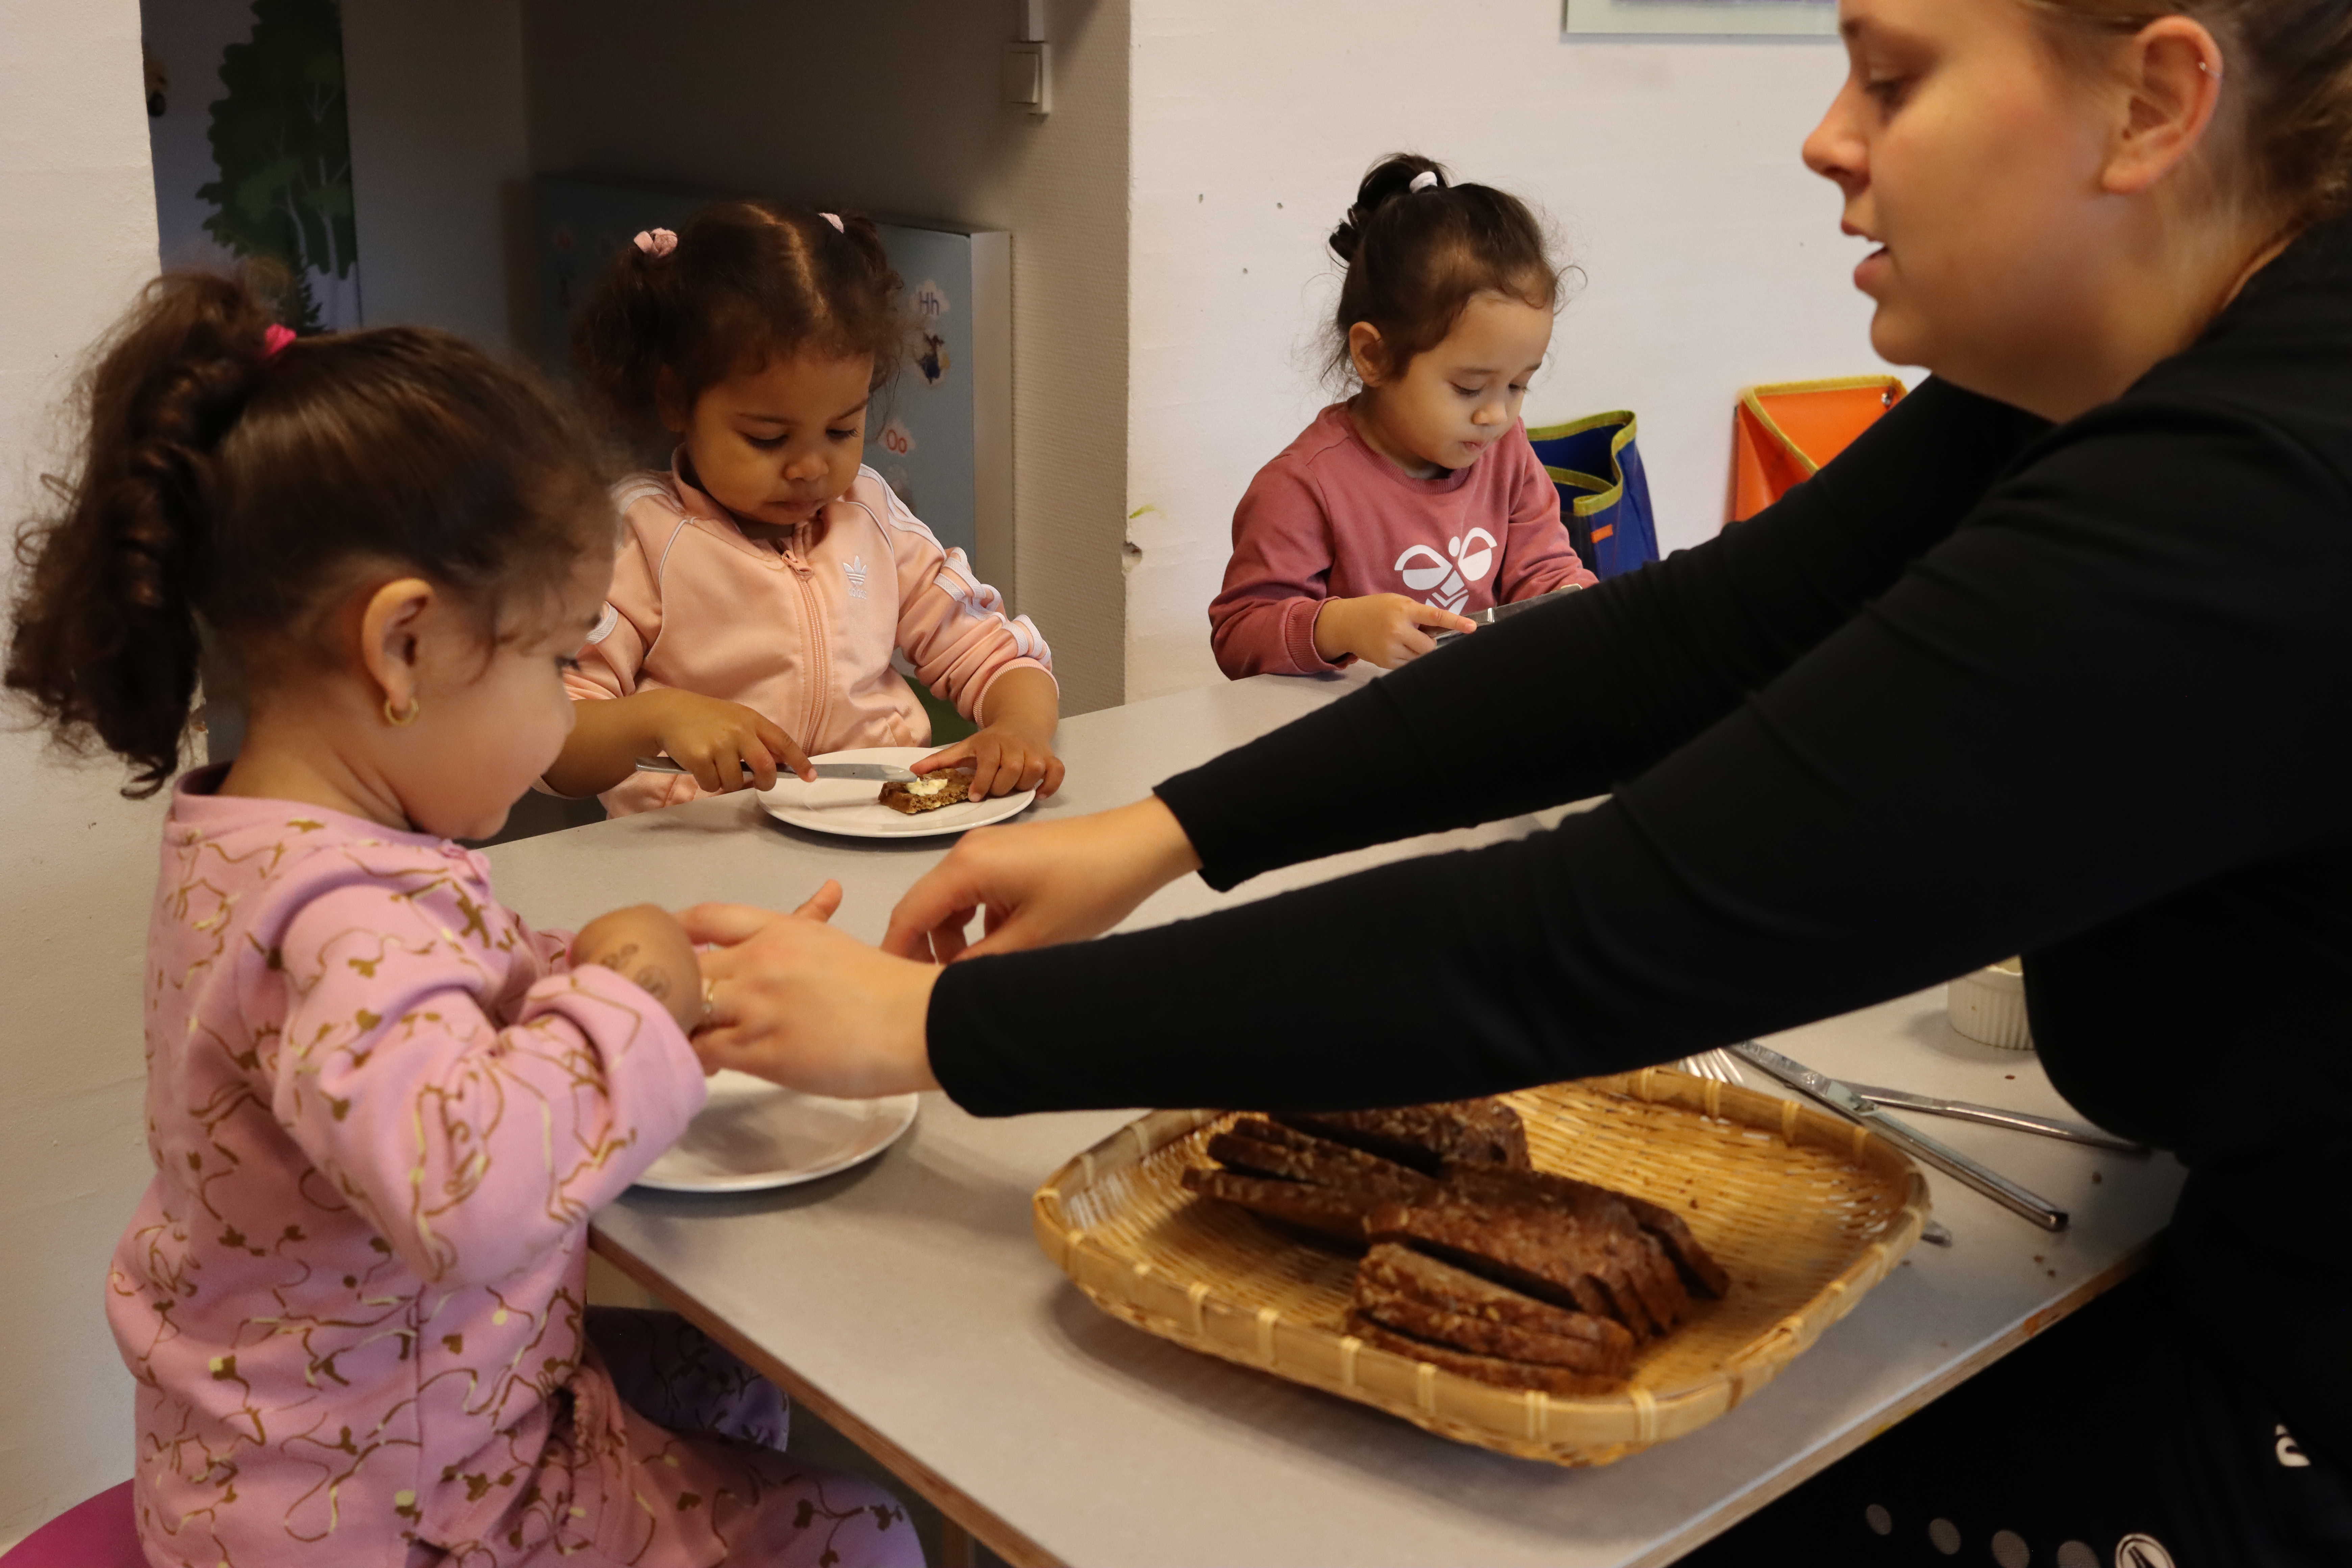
404,717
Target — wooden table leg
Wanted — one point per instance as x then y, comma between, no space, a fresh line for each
955,1544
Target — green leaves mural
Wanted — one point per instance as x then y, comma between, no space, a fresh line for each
281,140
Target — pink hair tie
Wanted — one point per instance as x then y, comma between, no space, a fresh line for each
834,219
274,338
657,241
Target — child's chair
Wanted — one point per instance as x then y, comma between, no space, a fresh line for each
98,1533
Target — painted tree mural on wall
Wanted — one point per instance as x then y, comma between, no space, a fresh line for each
281,140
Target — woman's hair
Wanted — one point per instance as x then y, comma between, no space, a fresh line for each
2292,59
744,284
1415,258
231,476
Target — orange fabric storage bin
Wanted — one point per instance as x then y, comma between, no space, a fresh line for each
1784,433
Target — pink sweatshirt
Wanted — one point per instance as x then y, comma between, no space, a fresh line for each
801,632
381,1110
1331,519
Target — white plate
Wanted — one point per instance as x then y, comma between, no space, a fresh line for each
751,1136
849,806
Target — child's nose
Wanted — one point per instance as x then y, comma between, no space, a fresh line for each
807,466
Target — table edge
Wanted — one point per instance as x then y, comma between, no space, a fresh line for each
957,1505
1707,1527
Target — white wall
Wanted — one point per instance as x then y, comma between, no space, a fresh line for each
894,107
1670,168
439,157
78,227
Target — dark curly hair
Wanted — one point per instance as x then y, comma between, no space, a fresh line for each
1416,259
220,484
746,283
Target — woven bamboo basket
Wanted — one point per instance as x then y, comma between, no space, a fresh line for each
1805,1210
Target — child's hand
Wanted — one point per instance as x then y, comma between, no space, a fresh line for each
645,944
713,739
1004,758
1385,629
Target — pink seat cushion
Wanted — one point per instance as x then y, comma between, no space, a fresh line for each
99,1534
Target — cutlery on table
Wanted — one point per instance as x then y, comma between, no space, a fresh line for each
1721,1066
1841,1099
1994,1116
870,773
1488,617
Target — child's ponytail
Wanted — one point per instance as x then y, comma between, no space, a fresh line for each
1418,248
232,476
105,636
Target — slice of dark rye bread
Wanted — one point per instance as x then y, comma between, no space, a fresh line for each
1555,1255
1699,1269
1399,1269
905,798
1297,1157
1609,1220
1327,1214
1437,1301
1470,1131
1496,1370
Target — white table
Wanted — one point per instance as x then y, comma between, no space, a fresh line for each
907,1304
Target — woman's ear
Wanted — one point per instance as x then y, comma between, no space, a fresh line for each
1367,353
391,627
2171,76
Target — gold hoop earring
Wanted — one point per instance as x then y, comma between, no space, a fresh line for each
401,720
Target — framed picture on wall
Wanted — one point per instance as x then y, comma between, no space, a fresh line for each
1700,16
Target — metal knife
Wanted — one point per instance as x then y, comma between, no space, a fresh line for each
1488,617
1994,1116
1841,1099
871,772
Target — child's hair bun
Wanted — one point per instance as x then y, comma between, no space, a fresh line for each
1390,178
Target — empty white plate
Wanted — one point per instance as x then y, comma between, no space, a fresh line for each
752,1134
850,807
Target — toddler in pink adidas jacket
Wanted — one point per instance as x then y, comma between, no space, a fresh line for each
767,580
1420,499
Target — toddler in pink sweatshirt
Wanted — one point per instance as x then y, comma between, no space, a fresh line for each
383,1107
766,580
1419,500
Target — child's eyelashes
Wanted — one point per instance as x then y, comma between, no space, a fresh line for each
848,435
565,661
1888,92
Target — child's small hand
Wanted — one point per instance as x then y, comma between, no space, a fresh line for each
713,739
1004,758
1385,629
646,944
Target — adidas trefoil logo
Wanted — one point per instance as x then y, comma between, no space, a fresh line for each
855,570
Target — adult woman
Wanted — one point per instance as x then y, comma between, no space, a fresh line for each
2053,660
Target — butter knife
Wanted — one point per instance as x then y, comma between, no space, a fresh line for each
871,772
1488,617
1994,1116
1838,1096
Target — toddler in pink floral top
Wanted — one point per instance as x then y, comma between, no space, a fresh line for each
382,1108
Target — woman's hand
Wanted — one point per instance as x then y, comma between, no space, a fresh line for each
1385,629
645,944
799,1004
713,739
1041,882
1015,749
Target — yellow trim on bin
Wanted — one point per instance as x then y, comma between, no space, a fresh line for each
1607,492
1751,399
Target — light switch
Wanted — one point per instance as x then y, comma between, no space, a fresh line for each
1028,75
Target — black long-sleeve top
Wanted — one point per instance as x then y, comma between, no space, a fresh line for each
1981,687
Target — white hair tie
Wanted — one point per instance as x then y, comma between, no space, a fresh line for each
1425,180
657,241
834,219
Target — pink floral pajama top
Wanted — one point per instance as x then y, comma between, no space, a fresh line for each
381,1110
